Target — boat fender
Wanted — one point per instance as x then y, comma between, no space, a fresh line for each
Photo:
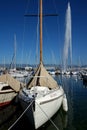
64,103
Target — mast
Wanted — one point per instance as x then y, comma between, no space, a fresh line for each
40,31
41,15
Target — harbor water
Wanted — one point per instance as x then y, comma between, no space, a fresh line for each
74,119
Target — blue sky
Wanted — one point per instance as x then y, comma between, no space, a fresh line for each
12,21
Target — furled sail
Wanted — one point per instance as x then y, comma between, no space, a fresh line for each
42,78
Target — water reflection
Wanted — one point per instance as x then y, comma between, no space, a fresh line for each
60,120
85,83
74,119
6,114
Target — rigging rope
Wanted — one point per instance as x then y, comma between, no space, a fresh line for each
25,112
20,116
26,10
48,117
37,41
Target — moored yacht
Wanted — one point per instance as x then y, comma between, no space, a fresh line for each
42,97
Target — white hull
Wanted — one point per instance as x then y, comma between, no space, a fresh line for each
46,110
45,107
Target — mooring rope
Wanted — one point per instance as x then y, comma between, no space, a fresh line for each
25,112
20,116
48,117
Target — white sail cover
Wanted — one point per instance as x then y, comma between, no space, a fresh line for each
14,84
42,78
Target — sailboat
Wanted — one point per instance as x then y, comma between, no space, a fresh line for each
13,71
42,97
